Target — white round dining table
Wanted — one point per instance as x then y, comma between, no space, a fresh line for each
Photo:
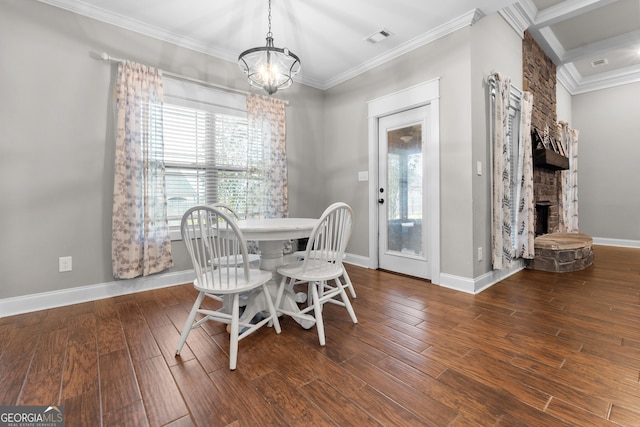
273,229
271,233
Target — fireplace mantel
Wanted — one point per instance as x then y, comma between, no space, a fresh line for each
549,159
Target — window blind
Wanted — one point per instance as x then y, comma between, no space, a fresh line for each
207,155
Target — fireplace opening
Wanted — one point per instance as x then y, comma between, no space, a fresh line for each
542,217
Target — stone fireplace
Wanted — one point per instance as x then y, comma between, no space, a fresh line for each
554,251
539,78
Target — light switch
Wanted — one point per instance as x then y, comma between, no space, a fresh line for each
363,176
479,167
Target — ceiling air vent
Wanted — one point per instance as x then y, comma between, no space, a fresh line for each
599,62
378,36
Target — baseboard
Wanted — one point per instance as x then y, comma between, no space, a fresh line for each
46,300
359,260
458,283
478,284
616,242
492,277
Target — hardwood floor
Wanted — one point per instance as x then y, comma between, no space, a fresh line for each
537,349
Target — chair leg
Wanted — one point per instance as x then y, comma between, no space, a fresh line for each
189,323
317,311
315,285
272,308
310,286
233,335
348,283
345,300
283,283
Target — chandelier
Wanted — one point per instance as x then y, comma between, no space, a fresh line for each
267,67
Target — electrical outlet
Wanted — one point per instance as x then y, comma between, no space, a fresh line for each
64,264
480,253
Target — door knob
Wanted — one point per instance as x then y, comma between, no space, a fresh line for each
381,201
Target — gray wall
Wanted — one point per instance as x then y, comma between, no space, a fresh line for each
608,153
346,135
564,102
462,61
57,149
495,47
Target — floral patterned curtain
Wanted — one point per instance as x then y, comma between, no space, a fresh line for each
569,180
526,230
267,135
140,232
501,253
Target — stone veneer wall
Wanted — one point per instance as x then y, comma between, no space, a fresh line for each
539,78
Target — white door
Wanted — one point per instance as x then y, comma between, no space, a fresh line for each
402,196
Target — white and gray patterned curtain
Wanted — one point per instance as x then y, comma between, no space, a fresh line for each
501,253
511,239
525,217
569,180
140,232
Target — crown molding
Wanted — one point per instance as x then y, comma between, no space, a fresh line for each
129,24
569,77
462,21
611,79
519,15
575,84
124,22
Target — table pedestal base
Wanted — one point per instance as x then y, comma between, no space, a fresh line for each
271,257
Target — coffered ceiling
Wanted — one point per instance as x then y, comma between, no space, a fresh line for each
595,43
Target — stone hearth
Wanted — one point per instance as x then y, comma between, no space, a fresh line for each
562,252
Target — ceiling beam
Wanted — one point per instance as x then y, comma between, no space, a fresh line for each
566,10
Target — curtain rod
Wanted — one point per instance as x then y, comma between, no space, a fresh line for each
106,57
491,80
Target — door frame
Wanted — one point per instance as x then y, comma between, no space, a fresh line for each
427,93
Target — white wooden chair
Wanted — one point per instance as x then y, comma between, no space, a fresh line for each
215,243
347,280
322,267
254,258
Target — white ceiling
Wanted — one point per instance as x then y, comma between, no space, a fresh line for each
329,35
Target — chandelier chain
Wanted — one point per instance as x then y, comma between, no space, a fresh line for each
269,34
